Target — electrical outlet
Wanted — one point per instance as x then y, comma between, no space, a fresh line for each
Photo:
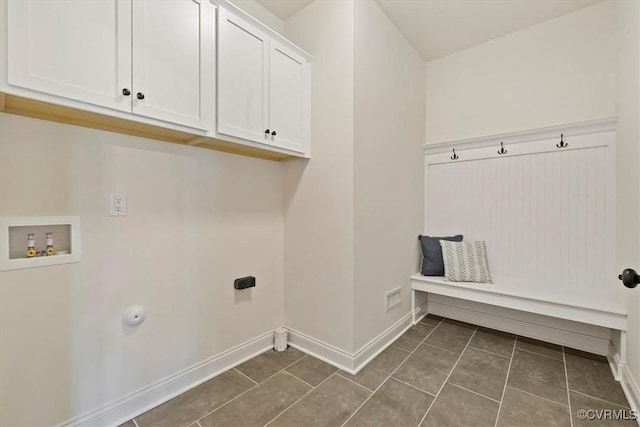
118,205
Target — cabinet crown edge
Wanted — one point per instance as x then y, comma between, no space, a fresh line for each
270,31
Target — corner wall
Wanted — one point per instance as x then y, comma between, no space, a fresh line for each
388,166
353,212
319,195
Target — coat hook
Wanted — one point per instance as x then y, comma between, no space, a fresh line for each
562,143
502,150
455,156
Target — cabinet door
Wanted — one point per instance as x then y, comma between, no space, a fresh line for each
243,54
171,61
288,98
79,50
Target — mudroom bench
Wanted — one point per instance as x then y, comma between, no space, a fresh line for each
504,293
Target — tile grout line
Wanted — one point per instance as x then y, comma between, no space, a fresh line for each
506,380
542,355
439,348
597,398
301,397
298,378
474,392
342,376
249,389
412,386
448,376
489,352
429,324
393,372
566,381
226,403
539,397
135,422
399,348
246,376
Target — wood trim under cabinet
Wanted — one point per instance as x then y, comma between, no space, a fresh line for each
22,106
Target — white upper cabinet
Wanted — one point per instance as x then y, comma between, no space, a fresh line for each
150,58
243,93
197,72
289,98
170,64
79,50
263,85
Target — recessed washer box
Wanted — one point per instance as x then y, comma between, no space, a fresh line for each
13,241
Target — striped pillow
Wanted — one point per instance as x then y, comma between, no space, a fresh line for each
465,261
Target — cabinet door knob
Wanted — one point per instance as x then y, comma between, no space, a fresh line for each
266,132
126,92
630,278
273,133
140,95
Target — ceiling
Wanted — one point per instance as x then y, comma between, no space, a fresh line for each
285,8
438,28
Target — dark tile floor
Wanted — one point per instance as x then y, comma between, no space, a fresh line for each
441,372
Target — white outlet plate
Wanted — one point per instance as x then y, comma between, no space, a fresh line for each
118,205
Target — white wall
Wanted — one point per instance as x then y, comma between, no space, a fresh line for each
259,12
388,165
353,212
627,161
196,220
560,71
319,192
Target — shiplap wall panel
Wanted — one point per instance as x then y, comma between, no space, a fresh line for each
543,215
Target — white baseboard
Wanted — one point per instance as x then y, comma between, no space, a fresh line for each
421,311
615,362
590,338
117,412
622,374
321,350
377,345
128,407
631,389
553,330
349,362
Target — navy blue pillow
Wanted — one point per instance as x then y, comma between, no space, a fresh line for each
432,263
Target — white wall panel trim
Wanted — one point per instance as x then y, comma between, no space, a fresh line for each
546,144
545,213
584,337
501,295
569,129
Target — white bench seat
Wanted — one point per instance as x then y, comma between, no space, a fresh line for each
502,293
